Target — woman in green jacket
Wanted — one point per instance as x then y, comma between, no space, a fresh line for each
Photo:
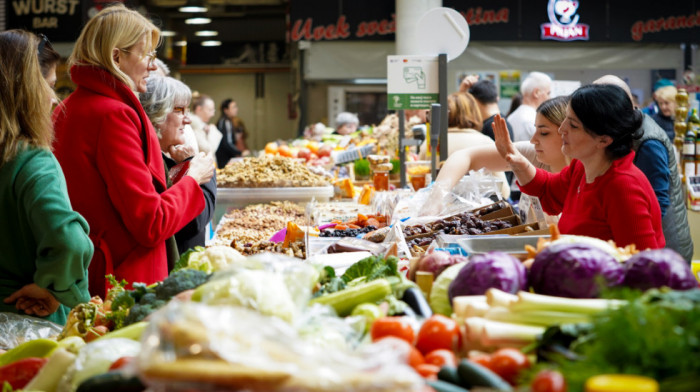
45,245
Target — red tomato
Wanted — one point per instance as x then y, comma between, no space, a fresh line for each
441,357
438,332
548,381
399,327
121,362
508,363
428,371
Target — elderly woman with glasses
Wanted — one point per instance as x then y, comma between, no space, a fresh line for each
165,102
111,155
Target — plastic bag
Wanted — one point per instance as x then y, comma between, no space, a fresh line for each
16,329
271,283
217,348
475,190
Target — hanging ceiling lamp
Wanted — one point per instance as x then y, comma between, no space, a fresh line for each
193,6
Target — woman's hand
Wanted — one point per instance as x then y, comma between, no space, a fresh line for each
33,300
180,152
201,168
522,168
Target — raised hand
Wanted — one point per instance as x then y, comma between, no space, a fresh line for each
521,167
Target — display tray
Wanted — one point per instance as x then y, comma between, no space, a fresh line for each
240,197
499,242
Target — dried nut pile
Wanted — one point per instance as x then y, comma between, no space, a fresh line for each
268,172
257,222
296,249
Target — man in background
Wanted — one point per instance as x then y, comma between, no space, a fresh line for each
535,89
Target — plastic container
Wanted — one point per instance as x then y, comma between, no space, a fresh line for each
621,383
501,242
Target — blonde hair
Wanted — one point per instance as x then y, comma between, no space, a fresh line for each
25,97
667,93
115,27
463,112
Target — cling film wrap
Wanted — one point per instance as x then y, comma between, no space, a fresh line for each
475,190
191,346
16,329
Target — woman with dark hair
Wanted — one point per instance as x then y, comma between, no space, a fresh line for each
234,133
45,245
48,60
601,193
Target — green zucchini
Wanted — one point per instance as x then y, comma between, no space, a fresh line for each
449,374
443,386
476,375
344,301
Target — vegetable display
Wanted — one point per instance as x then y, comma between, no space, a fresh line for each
574,270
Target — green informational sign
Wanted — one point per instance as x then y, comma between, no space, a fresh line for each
510,83
412,82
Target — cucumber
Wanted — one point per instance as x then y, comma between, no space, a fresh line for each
476,375
112,382
449,374
344,301
442,386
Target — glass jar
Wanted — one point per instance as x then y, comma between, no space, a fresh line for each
682,97
418,181
681,112
381,180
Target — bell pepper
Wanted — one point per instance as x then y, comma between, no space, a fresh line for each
19,373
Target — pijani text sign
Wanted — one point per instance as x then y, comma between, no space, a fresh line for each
412,82
564,22
60,20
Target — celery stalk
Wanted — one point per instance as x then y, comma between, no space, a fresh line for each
496,297
536,317
531,302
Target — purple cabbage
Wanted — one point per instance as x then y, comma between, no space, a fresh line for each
658,268
574,271
490,270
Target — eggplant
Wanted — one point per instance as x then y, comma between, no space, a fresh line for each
414,298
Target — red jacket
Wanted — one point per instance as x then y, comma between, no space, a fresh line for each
620,205
112,161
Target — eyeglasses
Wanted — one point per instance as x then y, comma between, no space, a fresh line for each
44,42
182,110
150,55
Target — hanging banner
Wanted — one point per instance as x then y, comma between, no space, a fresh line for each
412,82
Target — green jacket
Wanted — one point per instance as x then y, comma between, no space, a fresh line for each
42,240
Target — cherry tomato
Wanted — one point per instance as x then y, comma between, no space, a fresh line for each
438,332
441,357
508,363
121,362
548,381
428,371
399,327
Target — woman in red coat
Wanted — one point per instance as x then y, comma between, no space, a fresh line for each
110,154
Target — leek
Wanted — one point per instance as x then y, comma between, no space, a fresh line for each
469,306
491,333
496,297
537,302
537,317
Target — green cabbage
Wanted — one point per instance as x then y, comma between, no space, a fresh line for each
439,299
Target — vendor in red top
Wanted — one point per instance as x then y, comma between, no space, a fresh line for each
111,157
601,193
